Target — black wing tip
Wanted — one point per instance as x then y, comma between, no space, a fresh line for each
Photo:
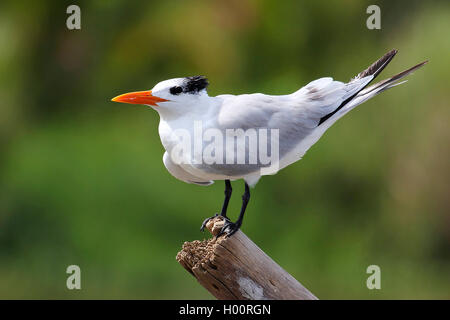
393,51
374,69
378,66
423,63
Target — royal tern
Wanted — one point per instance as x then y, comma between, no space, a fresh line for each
192,124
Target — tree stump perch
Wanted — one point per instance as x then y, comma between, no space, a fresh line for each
237,269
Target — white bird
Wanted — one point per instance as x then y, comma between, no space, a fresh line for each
300,119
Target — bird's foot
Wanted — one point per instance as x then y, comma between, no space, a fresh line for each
229,228
202,228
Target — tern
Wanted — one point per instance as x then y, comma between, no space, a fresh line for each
299,118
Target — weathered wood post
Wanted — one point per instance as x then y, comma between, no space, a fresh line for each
236,268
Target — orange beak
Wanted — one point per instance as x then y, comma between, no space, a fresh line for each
139,97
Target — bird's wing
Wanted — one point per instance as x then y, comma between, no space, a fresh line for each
303,109
295,115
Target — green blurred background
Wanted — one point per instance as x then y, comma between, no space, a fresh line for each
82,180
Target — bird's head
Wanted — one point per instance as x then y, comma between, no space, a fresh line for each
173,94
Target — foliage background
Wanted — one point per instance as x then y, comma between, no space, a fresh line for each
82,179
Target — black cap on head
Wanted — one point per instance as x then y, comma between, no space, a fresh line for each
195,84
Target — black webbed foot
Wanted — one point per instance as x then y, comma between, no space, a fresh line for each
229,228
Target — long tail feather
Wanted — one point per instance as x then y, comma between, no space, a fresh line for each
372,71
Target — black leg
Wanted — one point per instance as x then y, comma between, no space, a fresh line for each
223,213
231,227
245,200
228,191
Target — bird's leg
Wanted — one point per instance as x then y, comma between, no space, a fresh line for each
231,227
223,213
228,191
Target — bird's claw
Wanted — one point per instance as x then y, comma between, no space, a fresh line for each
202,228
229,228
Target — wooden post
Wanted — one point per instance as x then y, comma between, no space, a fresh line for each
236,268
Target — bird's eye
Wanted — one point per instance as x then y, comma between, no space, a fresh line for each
176,90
